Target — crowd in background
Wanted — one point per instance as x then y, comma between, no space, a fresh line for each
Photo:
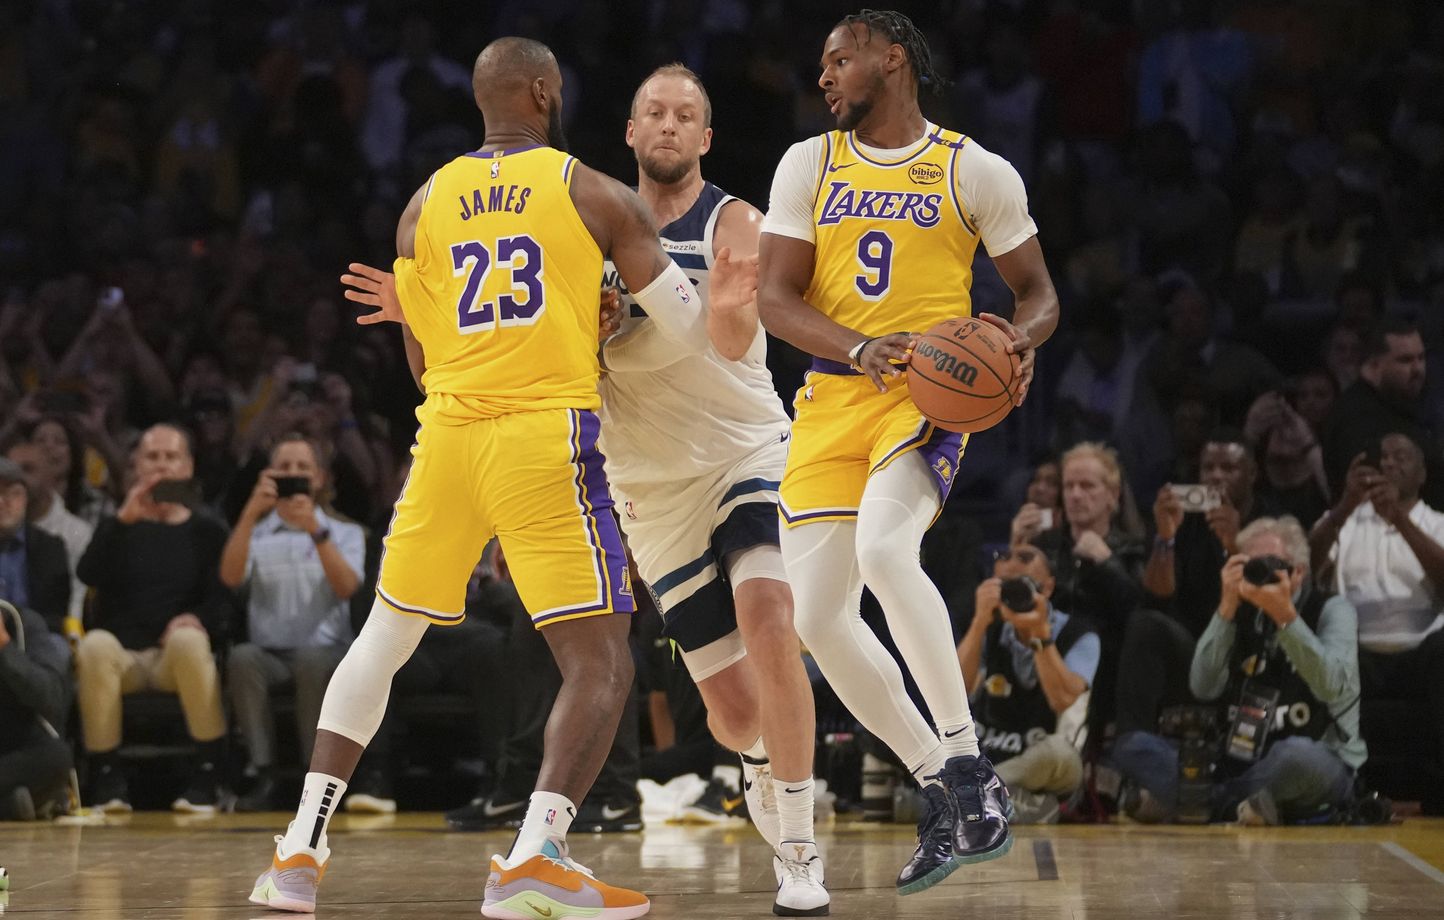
1240,203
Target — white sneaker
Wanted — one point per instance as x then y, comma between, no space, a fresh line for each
800,893
762,801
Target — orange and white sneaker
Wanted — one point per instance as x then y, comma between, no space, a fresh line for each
291,883
549,886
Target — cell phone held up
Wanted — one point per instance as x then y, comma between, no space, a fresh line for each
177,492
1197,498
287,486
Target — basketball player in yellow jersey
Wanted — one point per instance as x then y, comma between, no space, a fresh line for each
501,257
870,235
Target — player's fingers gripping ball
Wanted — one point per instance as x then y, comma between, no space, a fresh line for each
962,377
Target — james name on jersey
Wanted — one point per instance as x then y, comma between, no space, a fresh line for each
511,199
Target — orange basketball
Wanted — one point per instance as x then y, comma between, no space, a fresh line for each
962,377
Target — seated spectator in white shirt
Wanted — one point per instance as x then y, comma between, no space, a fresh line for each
1385,547
47,512
301,566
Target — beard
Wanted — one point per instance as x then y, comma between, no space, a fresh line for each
665,173
556,134
852,114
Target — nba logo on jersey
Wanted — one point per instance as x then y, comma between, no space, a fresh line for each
681,290
551,816
495,168
631,511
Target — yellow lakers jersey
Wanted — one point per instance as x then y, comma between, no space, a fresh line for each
894,243
503,291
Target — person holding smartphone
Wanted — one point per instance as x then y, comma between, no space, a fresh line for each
159,606
301,565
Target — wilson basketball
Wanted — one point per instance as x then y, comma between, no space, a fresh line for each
962,377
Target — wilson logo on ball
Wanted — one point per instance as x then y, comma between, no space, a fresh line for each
944,363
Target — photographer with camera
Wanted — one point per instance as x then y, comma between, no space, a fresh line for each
158,607
1028,667
1281,655
302,566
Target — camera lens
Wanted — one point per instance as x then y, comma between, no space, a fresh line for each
1017,594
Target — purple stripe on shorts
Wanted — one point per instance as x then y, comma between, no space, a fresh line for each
942,452
611,556
824,366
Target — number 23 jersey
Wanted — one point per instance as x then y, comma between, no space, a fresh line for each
503,292
896,230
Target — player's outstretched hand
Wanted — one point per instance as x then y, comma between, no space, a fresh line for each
732,283
611,312
886,356
1022,346
374,288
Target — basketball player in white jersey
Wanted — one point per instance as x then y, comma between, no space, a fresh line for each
696,445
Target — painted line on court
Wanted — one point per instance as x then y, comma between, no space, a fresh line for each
1047,863
1414,861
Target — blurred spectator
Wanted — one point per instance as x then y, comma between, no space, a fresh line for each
1343,354
1289,455
1382,547
1028,667
1192,352
1281,660
34,574
1096,566
47,512
34,699
1384,400
160,611
208,413
1002,100
1326,245
1181,579
64,452
300,566
1312,394
1095,392
384,134
1183,218
1042,505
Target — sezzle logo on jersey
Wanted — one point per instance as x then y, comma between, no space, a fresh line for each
844,201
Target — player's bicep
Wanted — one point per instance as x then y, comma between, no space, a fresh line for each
784,271
406,226
1023,269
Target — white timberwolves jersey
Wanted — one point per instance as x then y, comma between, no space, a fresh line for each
702,412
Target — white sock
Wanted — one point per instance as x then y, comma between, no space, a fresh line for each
757,753
320,797
729,775
959,738
926,771
794,807
548,816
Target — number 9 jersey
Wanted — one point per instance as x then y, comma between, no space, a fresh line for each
503,291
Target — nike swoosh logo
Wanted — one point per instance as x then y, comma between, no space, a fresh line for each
730,804
544,911
491,811
834,167
950,734
795,791
612,814
747,785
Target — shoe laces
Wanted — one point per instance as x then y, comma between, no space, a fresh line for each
798,870
934,810
762,777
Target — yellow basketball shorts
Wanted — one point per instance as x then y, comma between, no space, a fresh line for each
844,431
535,480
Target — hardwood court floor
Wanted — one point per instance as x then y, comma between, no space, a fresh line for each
159,866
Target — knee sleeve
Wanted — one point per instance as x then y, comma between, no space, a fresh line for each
357,695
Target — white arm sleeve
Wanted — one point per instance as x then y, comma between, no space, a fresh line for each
997,203
675,306
794,187
644,347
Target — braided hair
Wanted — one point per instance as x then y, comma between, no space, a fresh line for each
899,29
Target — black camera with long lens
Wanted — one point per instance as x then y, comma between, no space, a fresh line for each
1263,570
1019,594
1195,728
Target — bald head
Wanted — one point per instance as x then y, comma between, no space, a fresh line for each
508,68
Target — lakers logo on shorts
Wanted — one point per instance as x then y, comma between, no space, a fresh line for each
944,468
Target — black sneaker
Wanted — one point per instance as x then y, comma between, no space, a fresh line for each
371,795
717,805
109,792
262,796
203,793
19,805
487,813
933,860
980,826
608,818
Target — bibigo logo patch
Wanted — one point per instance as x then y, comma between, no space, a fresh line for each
926,173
